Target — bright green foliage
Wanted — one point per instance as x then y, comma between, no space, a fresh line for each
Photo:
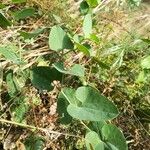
87,25
114,137
93,141
94,38
83,49
9,52
59,40
18,1
76,70
145,63
22,14
4,23
92,3
42,77
2,5
141,77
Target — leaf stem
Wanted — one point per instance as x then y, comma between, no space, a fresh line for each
85,126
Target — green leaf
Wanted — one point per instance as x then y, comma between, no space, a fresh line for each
84,7
18,1
114,136
42,77
76,38
83,49
4,23
100,63
66,97
95,107
93,141
34,34
92,3
69,95
146,41
97,127
9,52
87,25
12,87
145,63
133,3
59,40
76,70
2,5
19,110
94,38
22,14
34,143
57,18
142,77
109,146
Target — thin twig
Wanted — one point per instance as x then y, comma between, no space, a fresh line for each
37,128
1,82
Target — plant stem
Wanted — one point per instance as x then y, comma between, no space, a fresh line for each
1,82
85,126
37,128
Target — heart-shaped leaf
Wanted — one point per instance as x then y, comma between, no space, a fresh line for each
90,105
114,137
42,77
59,40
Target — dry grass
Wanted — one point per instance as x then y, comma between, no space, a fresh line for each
45,4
